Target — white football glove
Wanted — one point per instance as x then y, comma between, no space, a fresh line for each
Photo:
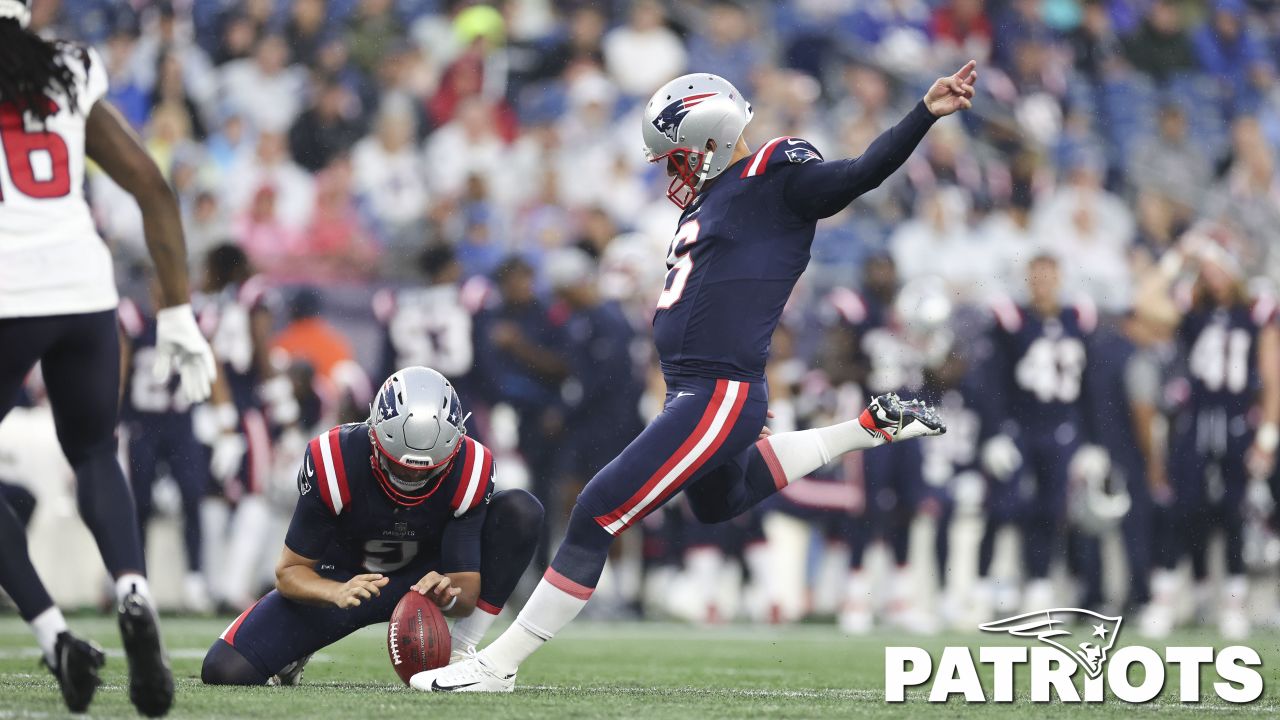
1000,457
228,452
1091,464
181,346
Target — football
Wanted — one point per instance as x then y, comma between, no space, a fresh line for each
417,636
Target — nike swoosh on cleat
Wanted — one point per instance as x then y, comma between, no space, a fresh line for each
437,687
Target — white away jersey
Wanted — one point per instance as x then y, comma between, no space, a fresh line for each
52,261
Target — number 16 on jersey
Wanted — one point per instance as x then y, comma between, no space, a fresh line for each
679,264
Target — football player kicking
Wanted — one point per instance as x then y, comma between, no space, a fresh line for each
58,307
742,242
403,501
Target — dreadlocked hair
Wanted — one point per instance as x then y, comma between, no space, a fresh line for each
30,67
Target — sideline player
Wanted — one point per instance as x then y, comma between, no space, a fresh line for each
742,243
58,307
403,501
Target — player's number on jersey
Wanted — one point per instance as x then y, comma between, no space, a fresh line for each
38,160
1220,358
679,264
1052,369
384,556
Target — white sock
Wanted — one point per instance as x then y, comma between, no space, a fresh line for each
702,569
46,627
467,632
793,455
554,604
133,582
244,551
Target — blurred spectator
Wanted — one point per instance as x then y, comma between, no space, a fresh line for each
373,30
309,337
1160,47
165,33
939,242
305,29
643,53
336,244
1089,231
466,146
170,91
389,170
961,31
1228,50
1095,43
265,89
326,128
1171,163
124,90
293,190
578,44
1248,199
726,43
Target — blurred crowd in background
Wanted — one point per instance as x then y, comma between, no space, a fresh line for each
368,184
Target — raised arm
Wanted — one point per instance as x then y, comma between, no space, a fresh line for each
819,190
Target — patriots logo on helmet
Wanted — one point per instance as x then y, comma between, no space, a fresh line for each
1049,626
387,406
668,121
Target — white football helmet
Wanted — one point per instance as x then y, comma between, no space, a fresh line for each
680,119
416,424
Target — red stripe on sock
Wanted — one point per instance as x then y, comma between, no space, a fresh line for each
564,584
771,460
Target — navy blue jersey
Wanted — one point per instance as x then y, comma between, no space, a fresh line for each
431,327
145,397
226,318
1038,367
1220,349
743,242
345,518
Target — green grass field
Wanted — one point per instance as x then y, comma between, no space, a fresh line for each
592,670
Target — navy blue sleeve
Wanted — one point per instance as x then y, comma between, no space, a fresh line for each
460,546
816,190
313,525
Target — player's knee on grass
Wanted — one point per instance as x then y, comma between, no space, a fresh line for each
224,665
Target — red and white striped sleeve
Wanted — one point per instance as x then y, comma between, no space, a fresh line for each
330,470
476,481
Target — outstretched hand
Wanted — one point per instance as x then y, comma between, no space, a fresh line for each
953,93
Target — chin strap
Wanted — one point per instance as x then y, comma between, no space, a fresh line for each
706,168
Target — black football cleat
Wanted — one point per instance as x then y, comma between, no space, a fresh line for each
150,679
894,419
291,674
77,667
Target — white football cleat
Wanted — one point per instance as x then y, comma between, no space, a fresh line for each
470,675
891,418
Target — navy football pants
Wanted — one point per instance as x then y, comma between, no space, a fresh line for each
170,438
703,442
276,631
79,356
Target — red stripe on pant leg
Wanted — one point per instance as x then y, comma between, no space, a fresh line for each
704,424
487,607
230,633
564,584
730,420
771,460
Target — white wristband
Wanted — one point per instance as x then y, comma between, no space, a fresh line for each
1267,438
447,608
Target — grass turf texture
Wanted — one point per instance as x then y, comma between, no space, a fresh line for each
594,670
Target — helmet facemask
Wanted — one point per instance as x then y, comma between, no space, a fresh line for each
688,169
